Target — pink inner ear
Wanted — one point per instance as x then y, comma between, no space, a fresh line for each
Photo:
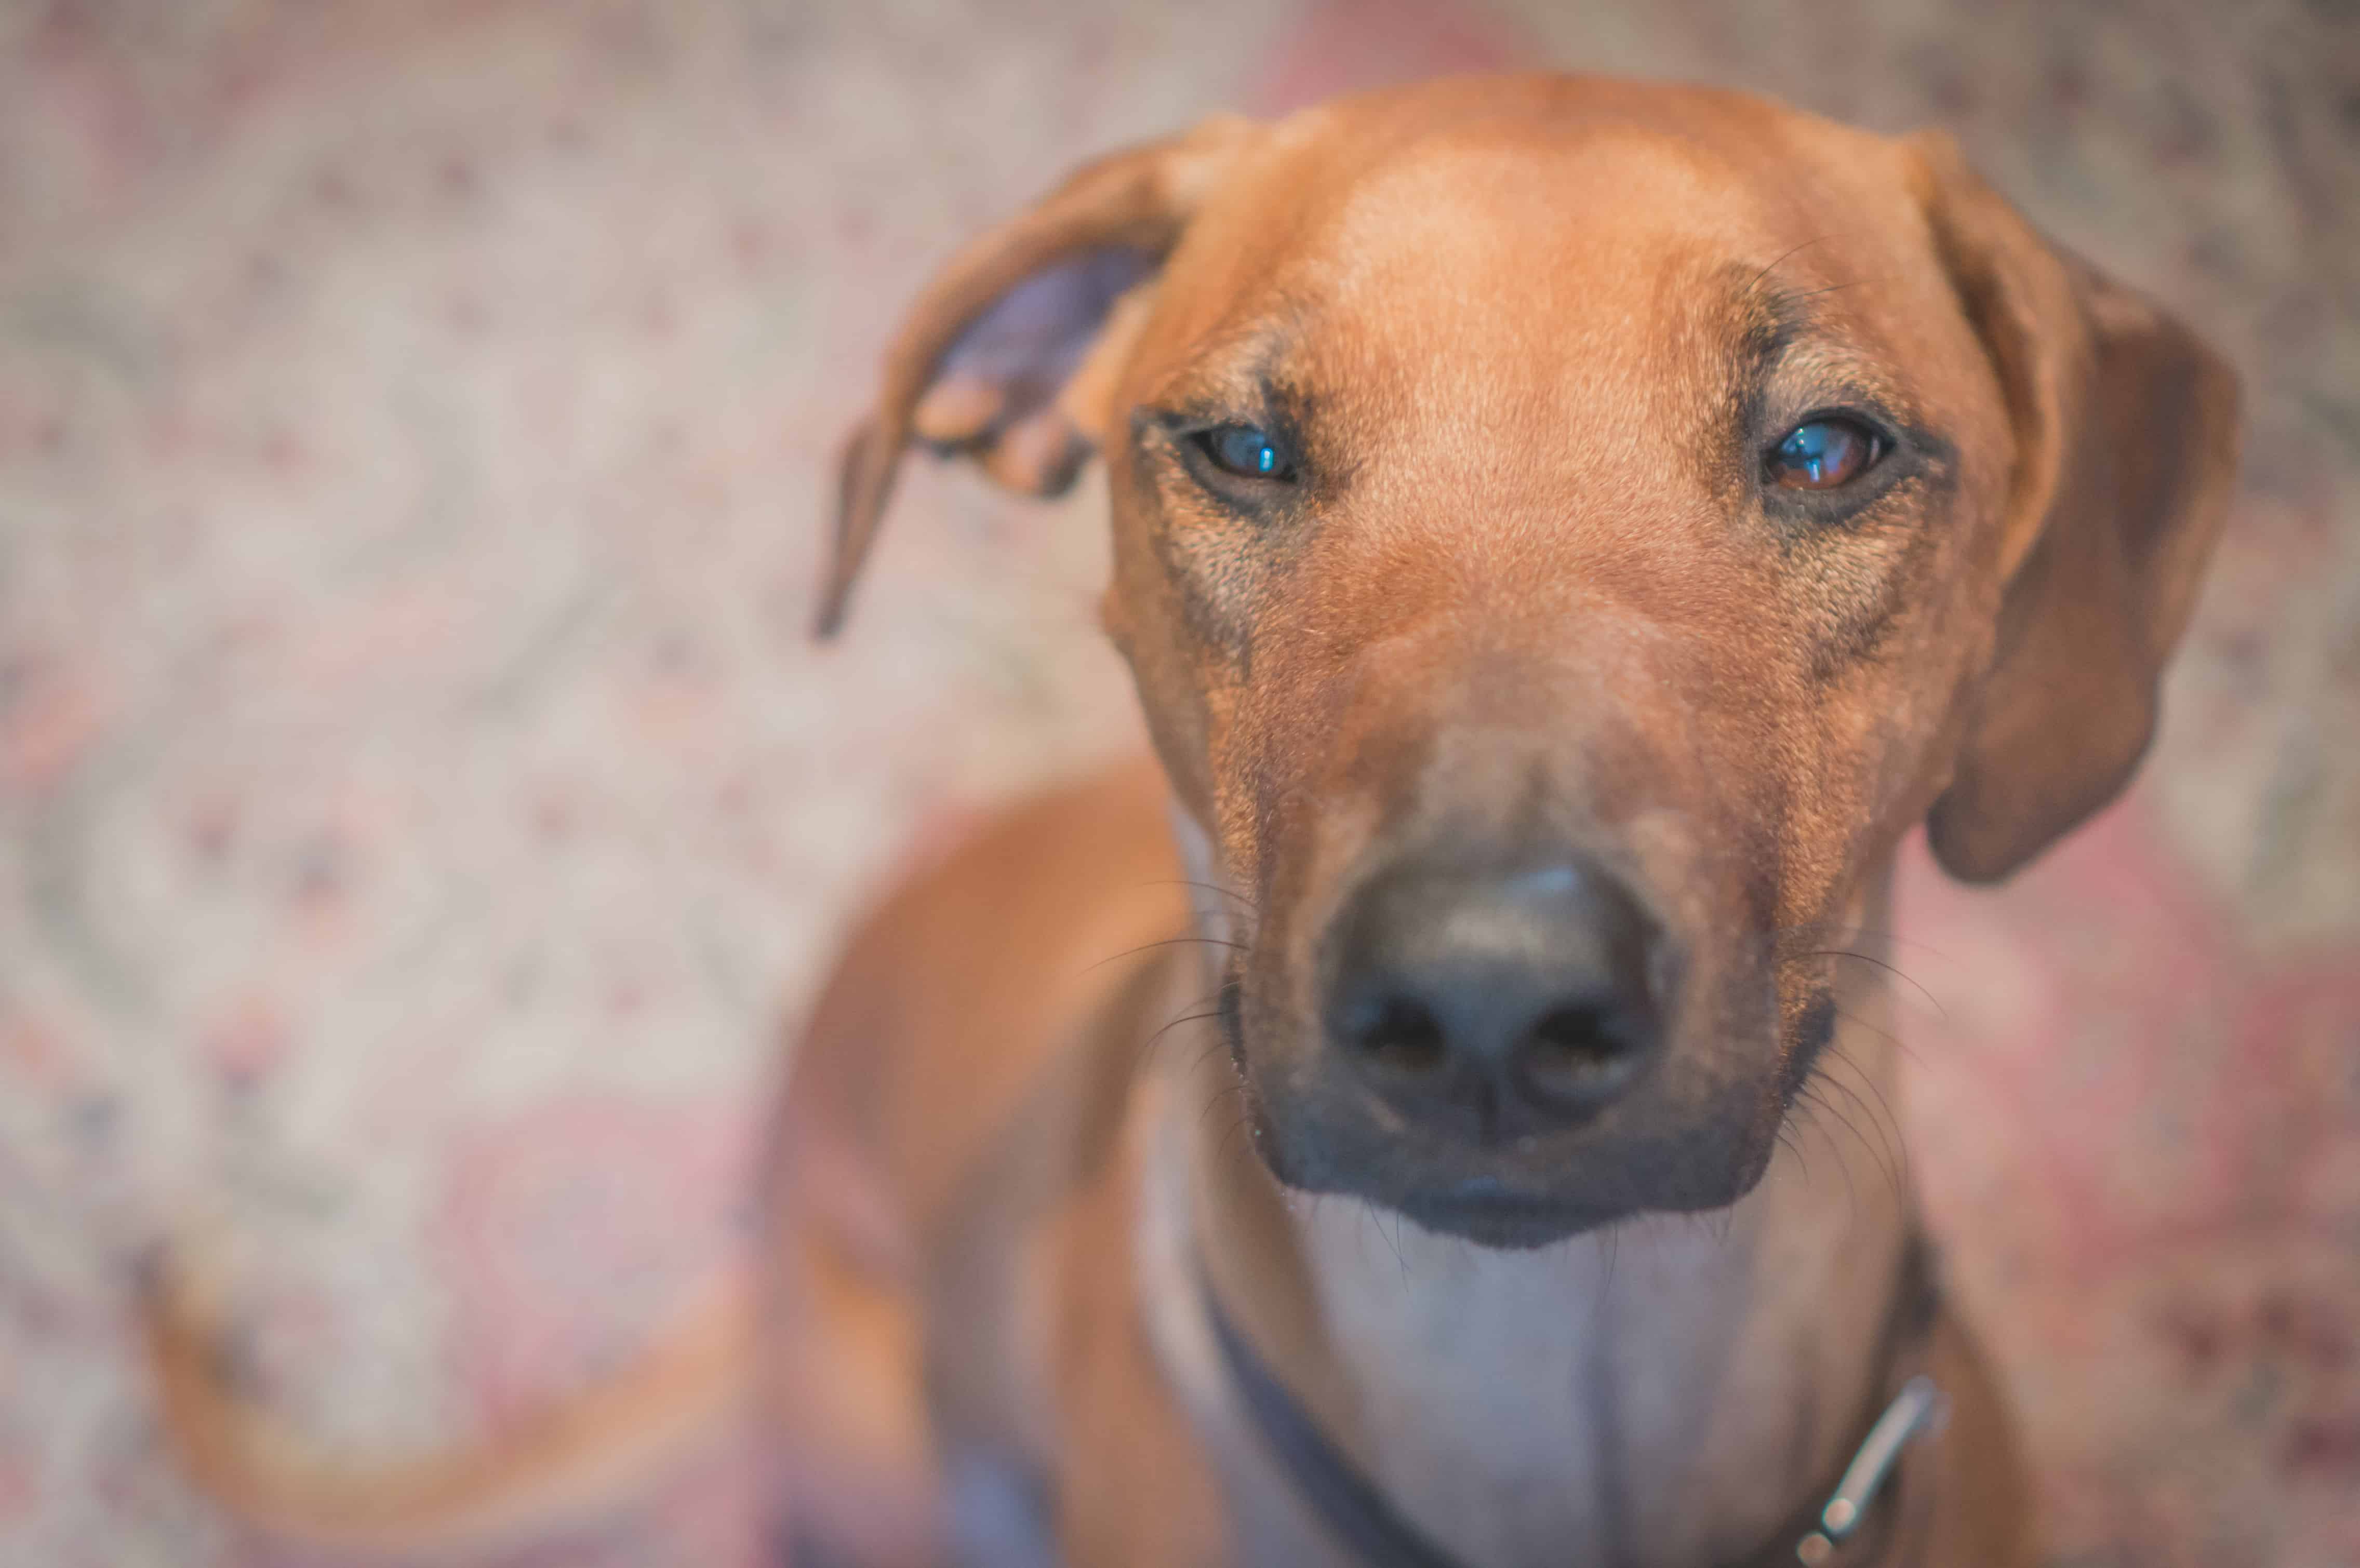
1025,346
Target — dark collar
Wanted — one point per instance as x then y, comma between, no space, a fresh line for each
1842,1526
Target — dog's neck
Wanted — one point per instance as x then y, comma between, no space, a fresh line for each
1664,1392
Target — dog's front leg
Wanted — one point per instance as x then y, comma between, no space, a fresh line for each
862,1481
1134,1487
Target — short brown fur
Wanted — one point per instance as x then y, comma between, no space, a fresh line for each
1526,583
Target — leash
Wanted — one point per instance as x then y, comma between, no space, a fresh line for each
1822,1534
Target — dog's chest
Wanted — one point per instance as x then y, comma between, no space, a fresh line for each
1478,1426
1547,1406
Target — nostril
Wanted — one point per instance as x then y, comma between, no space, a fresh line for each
1402,1033
1581,1034
1582,1050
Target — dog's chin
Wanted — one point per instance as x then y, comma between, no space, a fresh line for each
1513,1201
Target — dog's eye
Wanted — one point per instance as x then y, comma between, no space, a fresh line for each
1246,451
1822,455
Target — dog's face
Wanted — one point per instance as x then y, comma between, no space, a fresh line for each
1566,532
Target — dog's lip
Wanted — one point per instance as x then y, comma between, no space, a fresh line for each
1490,1189
1488,1197
1490,1212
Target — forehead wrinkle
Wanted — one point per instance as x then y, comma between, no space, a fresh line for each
1567,398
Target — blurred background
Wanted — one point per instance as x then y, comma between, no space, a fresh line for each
421,812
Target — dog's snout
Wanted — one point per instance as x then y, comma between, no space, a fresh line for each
1496,1004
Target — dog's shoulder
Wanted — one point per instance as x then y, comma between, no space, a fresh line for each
955,995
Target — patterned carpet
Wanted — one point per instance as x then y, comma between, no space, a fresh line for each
419,810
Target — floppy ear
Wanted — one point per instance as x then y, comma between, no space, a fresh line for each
2126,449
1010,354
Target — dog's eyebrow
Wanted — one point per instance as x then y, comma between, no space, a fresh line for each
1246,374
1772,319
1785,335
1256,381
1769,320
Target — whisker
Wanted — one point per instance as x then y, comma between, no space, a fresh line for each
1813,1104
1376,1222
1899,1142
1829,931
1168,941
1889,1161
1785,257
1207,886
1244,1120
1157,1038
1894,1157
1205,1052
1911,981
1218,1096
1894,1041
1801,1158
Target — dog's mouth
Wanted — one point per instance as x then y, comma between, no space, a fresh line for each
1695,1148
1492,1212
1511,1198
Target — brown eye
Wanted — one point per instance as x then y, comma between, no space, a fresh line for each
1824,454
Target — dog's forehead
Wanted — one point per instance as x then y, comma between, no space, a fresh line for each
1575,149
1614,258
1550,224
1502,195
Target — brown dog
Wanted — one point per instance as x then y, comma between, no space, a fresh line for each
1566,531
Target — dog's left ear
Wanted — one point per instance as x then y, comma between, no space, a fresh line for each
2126,451
1010,354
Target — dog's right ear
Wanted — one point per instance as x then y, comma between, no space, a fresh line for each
1010,352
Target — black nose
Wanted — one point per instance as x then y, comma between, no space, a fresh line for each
1495,1004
